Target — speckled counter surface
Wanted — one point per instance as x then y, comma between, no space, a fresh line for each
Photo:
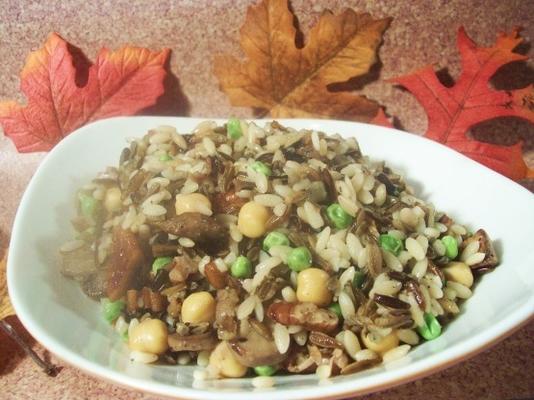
422,32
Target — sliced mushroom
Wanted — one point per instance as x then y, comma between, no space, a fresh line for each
486,246
255,350
125,265
182,267
199,342
374,264
207,232
307,315
78,264
225,314
358,366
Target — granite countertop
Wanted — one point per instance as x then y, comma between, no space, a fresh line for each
421,33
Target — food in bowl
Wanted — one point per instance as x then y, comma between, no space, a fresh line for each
267,250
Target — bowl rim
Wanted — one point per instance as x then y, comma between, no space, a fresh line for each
414,370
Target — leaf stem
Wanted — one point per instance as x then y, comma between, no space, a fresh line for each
48,368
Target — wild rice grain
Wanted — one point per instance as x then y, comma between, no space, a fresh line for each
396,353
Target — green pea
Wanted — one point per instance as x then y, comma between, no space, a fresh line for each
390,243
262,168
451,246
335,308
165,157
88,205
160,263
275,239
233,128
265,370
431,329
339,217
358,280
112,309
241,267
299,259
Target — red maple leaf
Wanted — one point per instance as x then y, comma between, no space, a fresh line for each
453,111
121,82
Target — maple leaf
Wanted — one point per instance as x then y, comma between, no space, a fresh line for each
453,111
120,82
292,82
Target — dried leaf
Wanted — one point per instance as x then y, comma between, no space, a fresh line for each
382,119
6,309
291,82
121,82
453,111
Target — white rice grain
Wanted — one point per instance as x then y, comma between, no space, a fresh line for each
380,195
71,246
470,249
346,305
396,353
462,291
301,337
263,382
289,295
313,215
268,200
474,259
350,207
323,371
246,307
281,338
142,357
203,358
415,249
420,268
365,354
408,336
186,242
351,343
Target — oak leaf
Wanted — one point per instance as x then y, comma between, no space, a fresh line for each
453,111
121,82
287,81
6,309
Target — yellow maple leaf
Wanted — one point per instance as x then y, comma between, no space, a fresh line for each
291,82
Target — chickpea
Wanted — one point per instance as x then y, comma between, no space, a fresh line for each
112,201
198,307
459,272
150,336
192,202
252,219
312,287
223,360
378,344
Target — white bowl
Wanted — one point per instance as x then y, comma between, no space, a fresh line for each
58,315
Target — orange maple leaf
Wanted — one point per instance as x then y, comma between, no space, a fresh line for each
453,111
291,82
121,82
